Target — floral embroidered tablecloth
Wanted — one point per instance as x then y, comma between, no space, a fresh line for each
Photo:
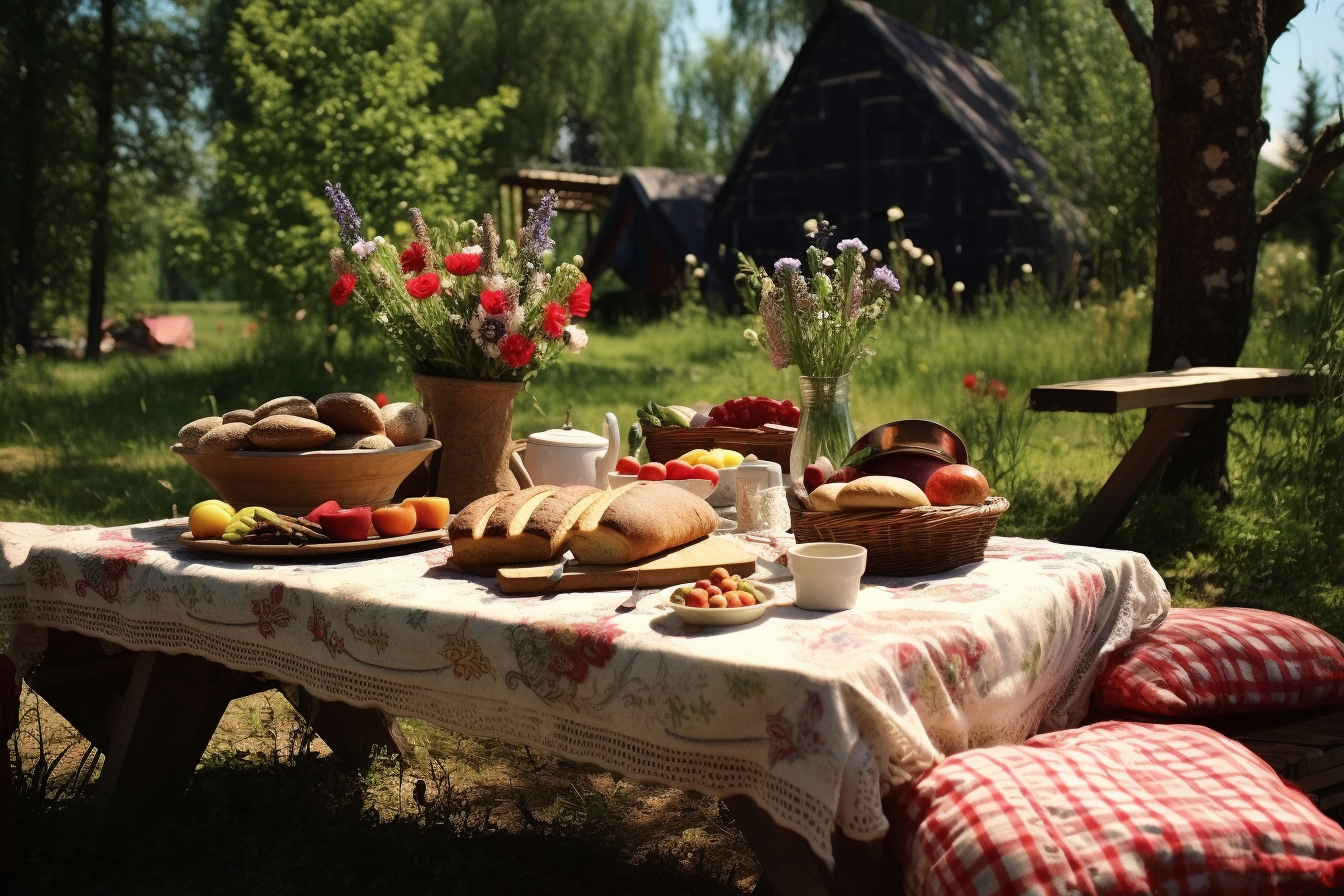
812,715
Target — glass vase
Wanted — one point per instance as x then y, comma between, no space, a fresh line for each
824,426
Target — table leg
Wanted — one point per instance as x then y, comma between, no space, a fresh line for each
1165,428
791,868
353,734
171,707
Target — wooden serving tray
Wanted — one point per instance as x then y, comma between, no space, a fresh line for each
684,564
320,549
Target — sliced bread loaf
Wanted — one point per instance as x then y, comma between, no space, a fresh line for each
642,519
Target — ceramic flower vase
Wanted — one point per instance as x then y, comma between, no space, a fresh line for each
474,421
824,425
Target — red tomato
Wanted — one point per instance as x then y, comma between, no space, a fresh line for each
628,465
705,471
653,472
679,469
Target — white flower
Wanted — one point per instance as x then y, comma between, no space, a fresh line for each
379,240
364,248
810,225
751,336
513,318
691,260
895,214
699,273
927,261
907,244
577,338
578,261
958,287
455,319
1026,269
486,331
876,254
470,250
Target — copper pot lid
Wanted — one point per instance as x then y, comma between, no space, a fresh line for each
908,437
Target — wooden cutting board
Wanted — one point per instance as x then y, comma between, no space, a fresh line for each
684,564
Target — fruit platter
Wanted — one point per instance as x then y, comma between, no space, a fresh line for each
217,527
705,473
721,599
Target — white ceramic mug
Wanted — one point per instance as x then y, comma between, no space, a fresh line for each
826,574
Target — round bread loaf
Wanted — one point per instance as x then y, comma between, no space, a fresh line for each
404,423
880,493
242,415
291,405
347,440
224,438
823,497
190,434
350,412
285,432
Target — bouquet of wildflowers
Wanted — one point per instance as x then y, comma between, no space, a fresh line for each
455,302
819,322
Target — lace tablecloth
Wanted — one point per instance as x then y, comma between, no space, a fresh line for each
812,715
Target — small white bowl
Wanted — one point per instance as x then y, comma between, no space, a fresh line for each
701,488
826,574
721,616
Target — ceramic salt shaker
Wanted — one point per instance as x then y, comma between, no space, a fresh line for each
753,476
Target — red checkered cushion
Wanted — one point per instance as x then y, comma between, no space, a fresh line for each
1224,659
1114,808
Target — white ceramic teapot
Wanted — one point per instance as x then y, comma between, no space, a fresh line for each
569,456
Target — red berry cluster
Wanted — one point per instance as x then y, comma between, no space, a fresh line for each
751,411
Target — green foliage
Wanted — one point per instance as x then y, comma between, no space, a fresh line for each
321,91
716,97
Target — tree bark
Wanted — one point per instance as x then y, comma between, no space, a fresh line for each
33,44
1207,66
104,158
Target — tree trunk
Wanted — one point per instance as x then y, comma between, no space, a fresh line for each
104,156
31,88
1207,66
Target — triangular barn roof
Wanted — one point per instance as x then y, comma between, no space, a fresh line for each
875,113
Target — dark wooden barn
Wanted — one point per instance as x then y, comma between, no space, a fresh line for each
656,218
875,113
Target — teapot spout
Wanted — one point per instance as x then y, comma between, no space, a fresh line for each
607,462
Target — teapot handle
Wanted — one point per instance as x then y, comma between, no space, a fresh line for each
607,462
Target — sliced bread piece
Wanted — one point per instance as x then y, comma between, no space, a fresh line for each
548,527
645,519
470,520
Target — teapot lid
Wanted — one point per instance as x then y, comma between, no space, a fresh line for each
568,438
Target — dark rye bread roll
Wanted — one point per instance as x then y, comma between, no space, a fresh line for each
644,518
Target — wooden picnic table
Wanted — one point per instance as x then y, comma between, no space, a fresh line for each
1175,399
799,721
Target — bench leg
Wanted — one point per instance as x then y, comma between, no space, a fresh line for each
1164,430
171,707
792,869
352,733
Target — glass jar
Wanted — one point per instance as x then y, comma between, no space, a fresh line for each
824,426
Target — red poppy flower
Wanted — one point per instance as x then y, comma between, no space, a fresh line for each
341,289
380,399
581,299
516,350
492,300
998,390
424,286
414,259
969,381
462,264
555,320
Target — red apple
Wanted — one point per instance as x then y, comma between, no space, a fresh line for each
679,469
347,525
628,465
653,472
706,472
324,507
956,484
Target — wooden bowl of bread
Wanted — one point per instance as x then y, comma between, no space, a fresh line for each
892,518
291,454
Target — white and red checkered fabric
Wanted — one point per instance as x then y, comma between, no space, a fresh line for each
1224,659
1114,808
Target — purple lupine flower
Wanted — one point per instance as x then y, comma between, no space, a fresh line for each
852,243
538,241
345,215
884,276
792,264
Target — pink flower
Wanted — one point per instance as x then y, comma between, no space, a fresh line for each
492,300
555,320
581,299
516,350
341,289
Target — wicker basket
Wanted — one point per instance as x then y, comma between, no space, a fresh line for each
914,542
667,443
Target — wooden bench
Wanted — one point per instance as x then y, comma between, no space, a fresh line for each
1175,400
